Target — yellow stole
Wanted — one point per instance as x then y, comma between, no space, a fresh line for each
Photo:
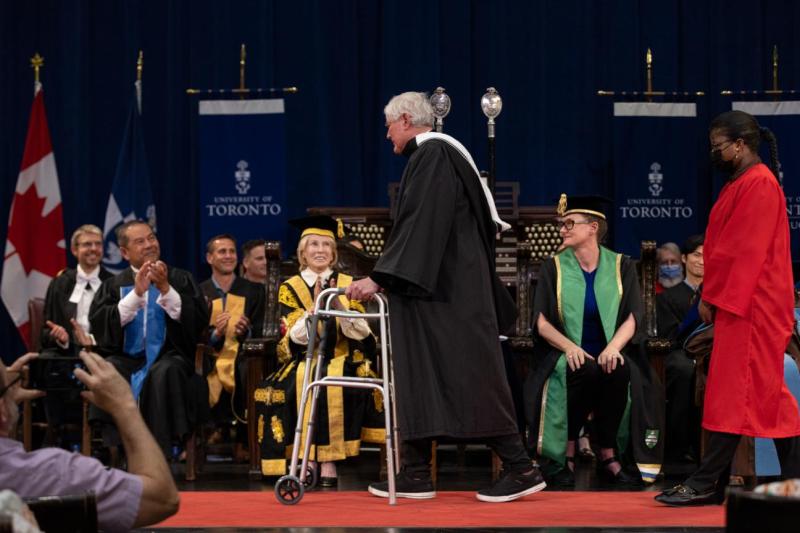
222,376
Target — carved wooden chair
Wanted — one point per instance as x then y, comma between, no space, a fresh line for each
259,352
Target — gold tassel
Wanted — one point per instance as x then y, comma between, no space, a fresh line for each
562,205
339,228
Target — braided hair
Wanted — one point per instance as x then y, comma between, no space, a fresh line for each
741,125
774,163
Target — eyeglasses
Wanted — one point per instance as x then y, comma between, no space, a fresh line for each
568,224
90,244
13,382
719,147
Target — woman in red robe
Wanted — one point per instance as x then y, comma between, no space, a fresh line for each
748,295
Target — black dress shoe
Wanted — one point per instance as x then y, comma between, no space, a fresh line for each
564,478
681,495
620,478
328,482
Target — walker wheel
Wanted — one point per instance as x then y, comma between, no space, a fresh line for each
312,477
289,490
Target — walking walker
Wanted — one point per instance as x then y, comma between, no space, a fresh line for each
290,488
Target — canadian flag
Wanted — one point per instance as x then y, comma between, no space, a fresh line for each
35,248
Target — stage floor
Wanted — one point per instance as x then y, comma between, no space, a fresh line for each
457,483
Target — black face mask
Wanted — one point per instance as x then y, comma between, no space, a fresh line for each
726,167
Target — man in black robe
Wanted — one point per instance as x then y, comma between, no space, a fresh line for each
150,317
447,309
66,327
677,315
237,312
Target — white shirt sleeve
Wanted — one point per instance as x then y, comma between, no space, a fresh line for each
299,332
128,306
170,303
355,328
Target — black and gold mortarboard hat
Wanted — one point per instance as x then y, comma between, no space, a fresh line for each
587,205
319,225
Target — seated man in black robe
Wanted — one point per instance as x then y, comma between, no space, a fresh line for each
150,317
677,318
448,309
237,312
66,325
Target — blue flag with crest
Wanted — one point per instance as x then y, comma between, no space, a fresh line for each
130,197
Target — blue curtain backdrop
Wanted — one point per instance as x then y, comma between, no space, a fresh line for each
348,57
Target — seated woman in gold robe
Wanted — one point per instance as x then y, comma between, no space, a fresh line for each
350,346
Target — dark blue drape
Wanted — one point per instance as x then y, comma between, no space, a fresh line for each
348,57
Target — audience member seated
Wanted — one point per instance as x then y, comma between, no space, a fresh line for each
66,326
254,261
149,317
340,423
237,311
670,271
144,495
677,318
586,314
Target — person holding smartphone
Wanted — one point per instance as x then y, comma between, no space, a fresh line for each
143,495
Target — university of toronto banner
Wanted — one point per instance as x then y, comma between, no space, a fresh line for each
656,174
242,168
783,118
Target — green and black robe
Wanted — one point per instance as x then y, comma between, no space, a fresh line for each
560,295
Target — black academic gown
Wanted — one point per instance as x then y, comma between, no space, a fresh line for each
671,308
646,392
445,300
174,398
60,310
253,294
62,406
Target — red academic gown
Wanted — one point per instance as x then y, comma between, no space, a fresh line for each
748,278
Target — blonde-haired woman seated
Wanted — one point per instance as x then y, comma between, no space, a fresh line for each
587,356
340,424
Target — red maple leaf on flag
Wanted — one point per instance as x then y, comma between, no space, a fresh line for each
39,251
33,256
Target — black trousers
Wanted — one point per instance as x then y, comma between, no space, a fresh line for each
416,455
716,464
681,413
589,389
126,366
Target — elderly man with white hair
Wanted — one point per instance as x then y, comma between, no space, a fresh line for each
448,309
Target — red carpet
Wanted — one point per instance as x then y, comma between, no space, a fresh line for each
448,509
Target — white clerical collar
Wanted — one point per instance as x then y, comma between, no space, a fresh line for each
422,137
310,277
81,279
